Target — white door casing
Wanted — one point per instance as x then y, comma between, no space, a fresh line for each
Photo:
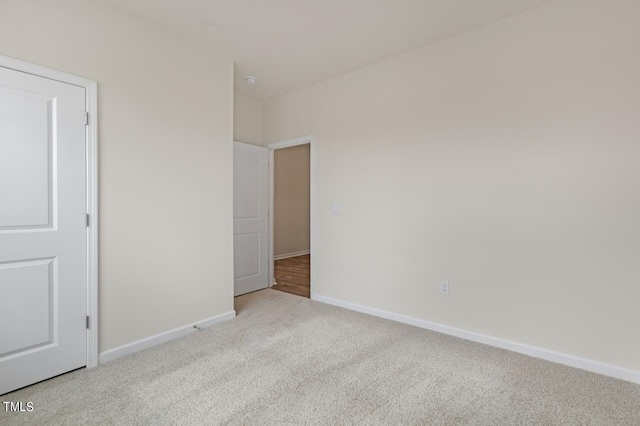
250,218
43,233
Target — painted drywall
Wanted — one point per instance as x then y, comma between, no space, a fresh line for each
247,120
506,161
165,146
291,200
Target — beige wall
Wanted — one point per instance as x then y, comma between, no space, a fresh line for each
291,200
165,123
504,160
247,120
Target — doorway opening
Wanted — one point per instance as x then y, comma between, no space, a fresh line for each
292,220
291,190
266,230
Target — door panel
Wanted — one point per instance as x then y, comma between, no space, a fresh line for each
26,135
250,218
43,263
23,329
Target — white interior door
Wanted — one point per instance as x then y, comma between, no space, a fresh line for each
250,218
43,239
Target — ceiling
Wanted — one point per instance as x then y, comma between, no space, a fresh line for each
291,44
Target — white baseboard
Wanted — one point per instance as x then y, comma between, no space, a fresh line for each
288,255
570,360
163,337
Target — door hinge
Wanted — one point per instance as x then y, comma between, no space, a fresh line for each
86,118
87,220
87,322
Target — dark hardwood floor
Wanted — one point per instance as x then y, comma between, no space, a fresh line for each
293,275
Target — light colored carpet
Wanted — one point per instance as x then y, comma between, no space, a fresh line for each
286,360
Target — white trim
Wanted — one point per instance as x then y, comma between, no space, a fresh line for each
291,142
557,357
311,140
271,220
26,67
92,230
91,99
163,337
289,255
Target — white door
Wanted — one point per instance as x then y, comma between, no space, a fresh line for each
43,237
250,218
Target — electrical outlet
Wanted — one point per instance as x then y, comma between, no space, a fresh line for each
444,288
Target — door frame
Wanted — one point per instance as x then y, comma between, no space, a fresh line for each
91,181
304,140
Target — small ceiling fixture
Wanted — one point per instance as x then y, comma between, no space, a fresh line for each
251,80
